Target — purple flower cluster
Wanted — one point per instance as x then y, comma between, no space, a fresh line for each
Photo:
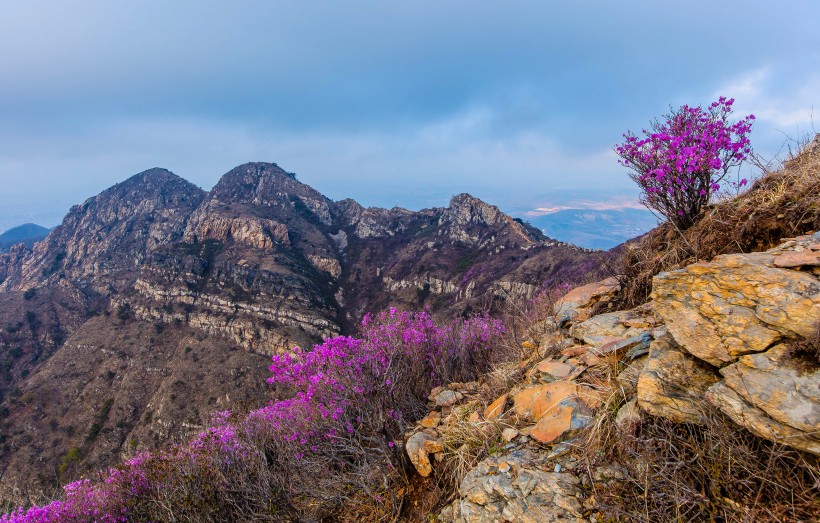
682,161
348,396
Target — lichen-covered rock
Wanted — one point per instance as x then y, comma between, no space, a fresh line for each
736,304
747,415
672,383
773,395
519,486
606,327
577,304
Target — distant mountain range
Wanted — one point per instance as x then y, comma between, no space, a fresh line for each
28,233
156,303
595,229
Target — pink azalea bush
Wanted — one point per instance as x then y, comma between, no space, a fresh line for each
682,161
333,439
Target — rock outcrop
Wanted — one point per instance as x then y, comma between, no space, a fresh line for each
737,313
717,334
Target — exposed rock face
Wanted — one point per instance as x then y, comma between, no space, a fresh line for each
773,396
111,233
673,383
734,312
737,304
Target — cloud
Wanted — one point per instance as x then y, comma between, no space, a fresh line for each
781,97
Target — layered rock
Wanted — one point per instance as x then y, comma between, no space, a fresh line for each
520,486
738,313
738,304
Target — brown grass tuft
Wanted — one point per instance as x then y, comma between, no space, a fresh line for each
713,472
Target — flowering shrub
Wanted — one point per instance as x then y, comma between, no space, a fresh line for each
331,441
682,161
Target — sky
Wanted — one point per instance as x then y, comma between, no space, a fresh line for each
388,102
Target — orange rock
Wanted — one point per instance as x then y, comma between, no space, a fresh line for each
433,447
475,417
432,420
556,369
533,402
528,345
496,408
552,425
575,350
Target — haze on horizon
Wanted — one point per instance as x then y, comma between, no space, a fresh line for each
518,103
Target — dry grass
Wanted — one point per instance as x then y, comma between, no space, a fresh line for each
781,204
714,472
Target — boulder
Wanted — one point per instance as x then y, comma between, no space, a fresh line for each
773,395
736,304
672,383
419,457
577,304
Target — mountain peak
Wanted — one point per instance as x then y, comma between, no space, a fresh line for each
465,209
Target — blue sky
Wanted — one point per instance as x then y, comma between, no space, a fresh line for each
389,102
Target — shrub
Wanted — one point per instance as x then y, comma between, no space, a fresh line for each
331,443
680,164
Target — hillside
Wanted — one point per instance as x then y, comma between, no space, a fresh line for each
702,403
158,284
28,233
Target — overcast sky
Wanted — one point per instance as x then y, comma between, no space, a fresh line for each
388,102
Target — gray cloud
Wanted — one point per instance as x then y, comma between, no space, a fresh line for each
388,102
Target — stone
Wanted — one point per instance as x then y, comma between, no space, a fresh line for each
747,415
533,402
432,446
672,383
447,398
431,420
773,396
475,417
810,258
628,417
552,370
518,486
597,329
562,421
509,434
418,456
735,305
496,408
577,304
575,350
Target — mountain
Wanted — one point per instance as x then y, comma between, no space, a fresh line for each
155,303
28,233
595,229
